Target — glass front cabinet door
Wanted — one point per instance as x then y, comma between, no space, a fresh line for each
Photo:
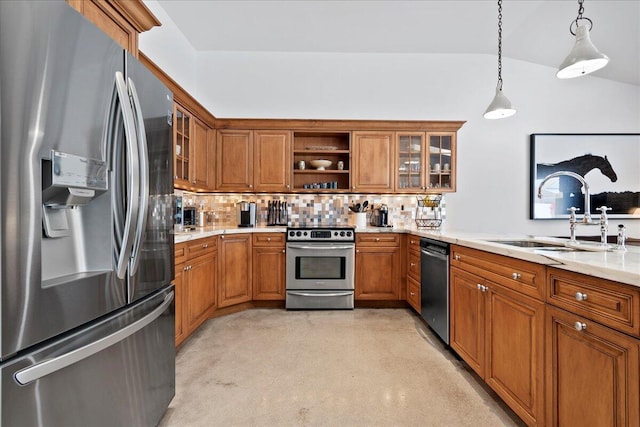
426,162
410,169
441,158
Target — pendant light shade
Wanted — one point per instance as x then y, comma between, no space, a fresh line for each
584,58
500,107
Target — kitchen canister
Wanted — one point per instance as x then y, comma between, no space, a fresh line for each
361,219
301,165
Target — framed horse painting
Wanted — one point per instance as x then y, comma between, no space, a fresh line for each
608,163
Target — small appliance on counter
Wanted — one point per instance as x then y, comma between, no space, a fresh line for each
380,216
189,218
246,214
277,213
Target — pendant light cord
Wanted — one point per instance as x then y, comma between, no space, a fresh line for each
500,44
580,18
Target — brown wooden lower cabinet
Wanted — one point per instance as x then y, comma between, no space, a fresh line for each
592,374
377,275
500,334
195,297
269,269
234,280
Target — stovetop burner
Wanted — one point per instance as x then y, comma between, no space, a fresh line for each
319,233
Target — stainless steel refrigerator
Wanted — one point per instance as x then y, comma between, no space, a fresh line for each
86,300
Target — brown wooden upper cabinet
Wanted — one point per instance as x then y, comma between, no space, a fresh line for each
371,161
272,160
234,160
120,20
194,151
425,162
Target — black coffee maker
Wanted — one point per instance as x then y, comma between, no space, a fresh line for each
246,214
380,216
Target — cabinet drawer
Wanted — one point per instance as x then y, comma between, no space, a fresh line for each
413,264
201,246
378,239
413,294
268,239
610,303
413,242
180,253
522,276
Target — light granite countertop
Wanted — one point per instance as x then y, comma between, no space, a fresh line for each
620,266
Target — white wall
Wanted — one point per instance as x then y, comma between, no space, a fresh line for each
493,156
170,49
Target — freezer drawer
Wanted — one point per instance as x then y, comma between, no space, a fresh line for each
118,371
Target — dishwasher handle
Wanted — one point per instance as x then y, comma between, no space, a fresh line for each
434,254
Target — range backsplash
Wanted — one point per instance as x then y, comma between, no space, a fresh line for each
310,209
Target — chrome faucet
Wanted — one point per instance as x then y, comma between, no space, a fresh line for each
586,217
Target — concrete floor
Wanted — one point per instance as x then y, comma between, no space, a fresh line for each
367,367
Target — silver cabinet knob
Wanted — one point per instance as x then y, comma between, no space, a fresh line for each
283,251
268,239
580,326
413,264
413,242
377,239
515,276
354,187
457,257
205,245
357,251
288,186
412,293
250,185
581,296
222,237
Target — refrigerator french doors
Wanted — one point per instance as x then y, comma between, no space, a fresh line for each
85,222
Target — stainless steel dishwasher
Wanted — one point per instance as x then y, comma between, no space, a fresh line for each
434,286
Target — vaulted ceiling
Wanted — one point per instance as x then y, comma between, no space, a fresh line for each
533,31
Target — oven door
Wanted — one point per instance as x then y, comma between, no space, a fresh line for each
320,266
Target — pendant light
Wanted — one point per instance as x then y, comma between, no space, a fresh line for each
584,58
500,107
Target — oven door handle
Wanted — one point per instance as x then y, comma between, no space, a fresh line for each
324,294
319,248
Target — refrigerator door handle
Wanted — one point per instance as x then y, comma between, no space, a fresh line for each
133,176
39,370
144,180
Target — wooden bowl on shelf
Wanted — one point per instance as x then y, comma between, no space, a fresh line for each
320,164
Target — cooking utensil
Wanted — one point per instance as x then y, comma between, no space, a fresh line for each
364,205
358,206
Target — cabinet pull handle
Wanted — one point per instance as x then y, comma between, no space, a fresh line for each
268,239
205,245
357,251
377,239
482,288
581,296
222,237
457,257
580,326
354,187
412,242
250,185
413,264
288,186
283,251
412,293
515,276
479,286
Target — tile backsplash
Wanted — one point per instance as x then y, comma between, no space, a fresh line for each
310,209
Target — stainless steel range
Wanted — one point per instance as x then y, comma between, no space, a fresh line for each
320,268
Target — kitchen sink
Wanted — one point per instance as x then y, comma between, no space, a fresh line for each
528,243
537,244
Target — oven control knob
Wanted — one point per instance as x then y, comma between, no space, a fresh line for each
305,234
298,233
348,234
342,234
292,233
